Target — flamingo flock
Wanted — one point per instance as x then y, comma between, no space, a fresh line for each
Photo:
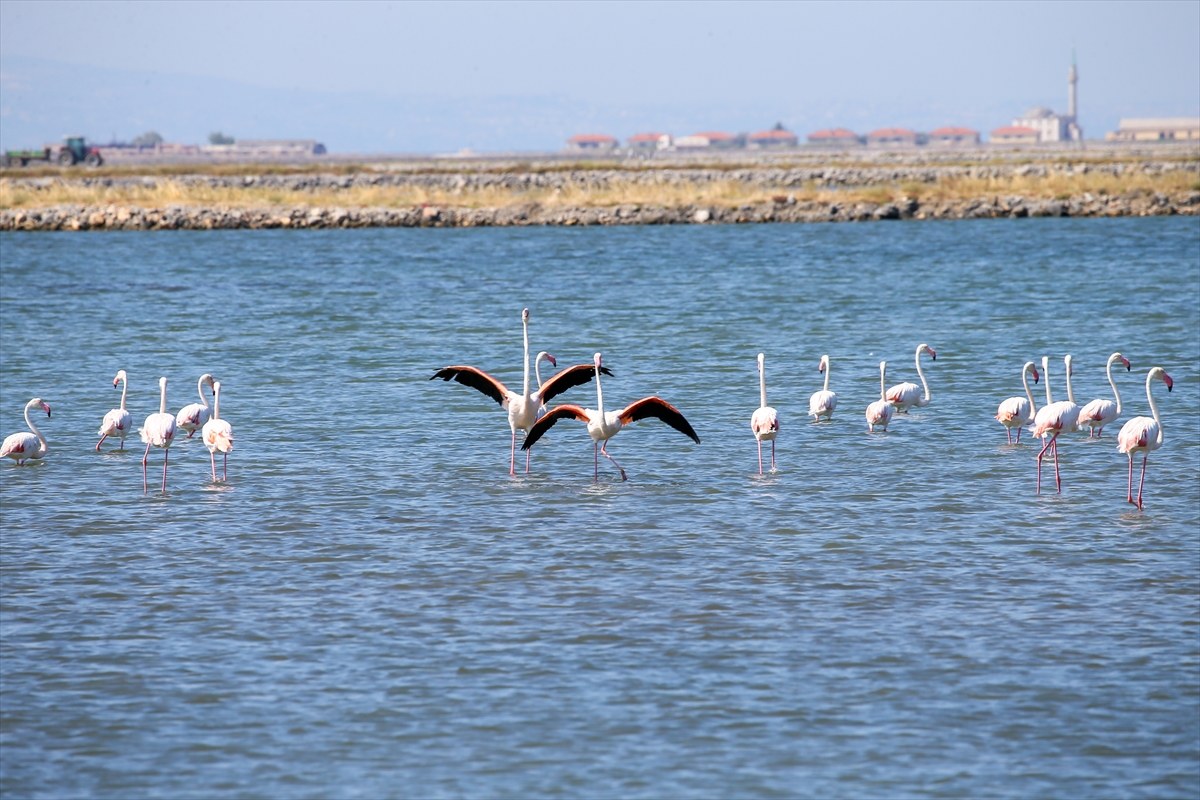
528,413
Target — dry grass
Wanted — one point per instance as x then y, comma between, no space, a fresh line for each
718,193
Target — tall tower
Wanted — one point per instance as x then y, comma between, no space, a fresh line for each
1072,80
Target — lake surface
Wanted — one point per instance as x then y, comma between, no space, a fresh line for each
371,606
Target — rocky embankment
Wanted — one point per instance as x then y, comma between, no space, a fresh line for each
783,208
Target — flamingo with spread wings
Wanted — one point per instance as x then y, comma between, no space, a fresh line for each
602,426
525,408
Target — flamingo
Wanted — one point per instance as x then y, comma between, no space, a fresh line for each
880,412
1140,434
603,426
218,435
1100,412
1053,419
118,421
765,421
25,446
904,396
158,431
822,403
1017,412
193,416
523,409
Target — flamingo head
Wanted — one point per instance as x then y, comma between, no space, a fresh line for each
207,380
760,361
45,406
216,387
1035,374
596,361
524,315
824,361
1067,362
1165,379
1125,361
926,348
120,377
544,355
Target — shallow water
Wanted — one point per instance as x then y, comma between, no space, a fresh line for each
371,606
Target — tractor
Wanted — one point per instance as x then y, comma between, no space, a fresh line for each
73,150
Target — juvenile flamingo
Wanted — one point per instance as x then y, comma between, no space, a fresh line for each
218,436
1017,412
1143,434
193,416
1053,419
765,420
880,412
158,431
26,446
117,422
602,426
522,408
904,396
822,403
1100,412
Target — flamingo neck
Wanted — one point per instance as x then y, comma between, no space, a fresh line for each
1112,383
525,328
216,409
162,398
1025,382
1149,398
1046,375
599,394
1070,394
882,383
826,359
124,389
200,391
924,385
42,439
537,371
762,386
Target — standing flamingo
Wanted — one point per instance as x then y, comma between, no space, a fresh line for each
25,446
603,426
1053,419
1017,412
158,431
765,420
822,403
1100,412
904,396
218,435
522,408
1143,434
880,412
193,416
118,421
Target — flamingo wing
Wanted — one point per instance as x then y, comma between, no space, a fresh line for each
1014,408
552,416
1098,411
660,409
569,378
1139,432
476,379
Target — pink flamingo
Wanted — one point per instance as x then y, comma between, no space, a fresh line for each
193,416
880,412
26,446
822,403
904,396
1143,434
1100,412
1016,412
218,436
118,421
1053,419
603,426
765,421
158,431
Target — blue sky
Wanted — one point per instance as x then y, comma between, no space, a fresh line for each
437,77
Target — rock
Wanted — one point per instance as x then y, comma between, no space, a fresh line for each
887,211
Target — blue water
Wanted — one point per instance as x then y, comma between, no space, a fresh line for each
370,606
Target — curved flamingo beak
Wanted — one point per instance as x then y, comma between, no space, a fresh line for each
932,354
46,406
1166,379
1035,375
821,368
552,360
1125,361
116,382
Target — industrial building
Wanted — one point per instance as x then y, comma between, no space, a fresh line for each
1156,130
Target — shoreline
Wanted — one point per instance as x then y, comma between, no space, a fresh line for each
74,217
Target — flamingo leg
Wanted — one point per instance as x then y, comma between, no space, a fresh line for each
225,468
122,444
1009,432
165,454
596,458
512,455
1057,479
772,455
102,438
760,457
610,458
1129,493
527,454
1039,462
212,457
191,433
144,459
1141,483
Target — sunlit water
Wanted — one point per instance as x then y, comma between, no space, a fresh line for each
371,606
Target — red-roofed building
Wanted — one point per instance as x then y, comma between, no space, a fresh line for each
649,141
953,136
703,141
894,137
592,142
1015,134
776,137
839,136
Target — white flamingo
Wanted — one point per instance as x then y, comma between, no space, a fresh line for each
1017,412
218,436
117,422
193,416
602,426
880,412
904,396
523,409
1053,419
1143,434
1098,413
765,420
822,403
26,446
158,431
